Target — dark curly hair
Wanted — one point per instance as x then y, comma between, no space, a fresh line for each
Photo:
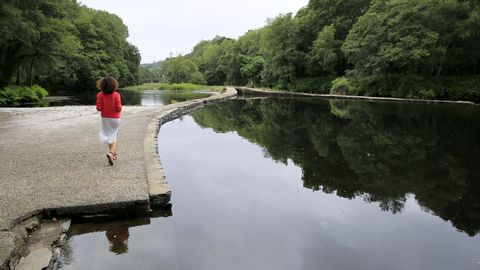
107,85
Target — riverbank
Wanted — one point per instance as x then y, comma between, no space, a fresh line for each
52,162
266,92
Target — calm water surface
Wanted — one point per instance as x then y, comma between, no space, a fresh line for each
306,184
143,98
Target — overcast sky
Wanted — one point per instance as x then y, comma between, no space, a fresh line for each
160,27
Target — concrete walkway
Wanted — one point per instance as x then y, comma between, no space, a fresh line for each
51,159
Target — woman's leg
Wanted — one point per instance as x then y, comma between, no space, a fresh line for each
112,147
111,155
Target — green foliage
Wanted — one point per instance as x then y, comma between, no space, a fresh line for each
324,54
152,72
412,38
379,45
279,48
317,85
324,25
252,67
105,50
392,34
181,69
398,48
250,43
208,56
419,87
452,88
63,45
427,94
14,94
341,86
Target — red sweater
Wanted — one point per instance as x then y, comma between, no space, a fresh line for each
109,104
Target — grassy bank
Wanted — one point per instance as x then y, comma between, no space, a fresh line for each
14,94
174,86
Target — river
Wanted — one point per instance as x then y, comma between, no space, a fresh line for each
305,184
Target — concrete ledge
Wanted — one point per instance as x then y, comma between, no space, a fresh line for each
158,188
7,248
269,93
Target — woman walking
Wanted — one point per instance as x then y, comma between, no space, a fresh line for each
109,103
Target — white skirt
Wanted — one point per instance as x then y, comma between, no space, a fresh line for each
109,132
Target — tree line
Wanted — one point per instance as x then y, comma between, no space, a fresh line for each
63,45
400,48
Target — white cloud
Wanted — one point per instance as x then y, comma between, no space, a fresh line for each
159,28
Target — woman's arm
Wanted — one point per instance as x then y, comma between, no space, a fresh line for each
118,103
99,102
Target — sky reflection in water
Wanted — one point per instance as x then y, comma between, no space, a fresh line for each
142,98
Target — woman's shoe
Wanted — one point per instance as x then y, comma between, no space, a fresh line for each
110,159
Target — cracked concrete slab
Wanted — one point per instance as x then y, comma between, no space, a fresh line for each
51,158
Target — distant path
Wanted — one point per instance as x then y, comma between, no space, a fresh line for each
51,159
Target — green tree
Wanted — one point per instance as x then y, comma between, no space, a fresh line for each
34,34
103,37
324,54
316,18
181,69
237,54
279,48
250,43
422,38
252,68
63,45
208,56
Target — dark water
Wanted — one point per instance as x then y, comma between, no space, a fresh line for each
310,184
144,98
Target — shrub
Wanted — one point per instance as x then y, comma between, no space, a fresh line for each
420,87
317,85
426,94
341,86
39,91
14,94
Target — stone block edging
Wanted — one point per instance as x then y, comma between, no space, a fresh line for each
158,189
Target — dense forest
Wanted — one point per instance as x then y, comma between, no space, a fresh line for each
62,45
401,48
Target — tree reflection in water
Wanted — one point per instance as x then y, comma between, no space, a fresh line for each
382,152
